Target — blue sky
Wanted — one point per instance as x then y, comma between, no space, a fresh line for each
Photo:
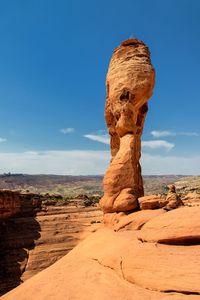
54,57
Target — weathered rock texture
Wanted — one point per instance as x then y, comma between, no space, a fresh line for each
119,265
172,198
32,239
18,204
152,202
129,85
150,254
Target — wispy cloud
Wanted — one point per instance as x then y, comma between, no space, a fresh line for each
165,133
2,140
157,145
102,138
67,130
84,162
158,164
189,133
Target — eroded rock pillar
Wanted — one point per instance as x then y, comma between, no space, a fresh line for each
129,85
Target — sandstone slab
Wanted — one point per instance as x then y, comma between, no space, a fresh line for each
179,226
109,265
132,221
152,202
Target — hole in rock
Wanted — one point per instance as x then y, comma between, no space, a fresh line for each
125,95
140,55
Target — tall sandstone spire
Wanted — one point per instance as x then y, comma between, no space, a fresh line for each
129,85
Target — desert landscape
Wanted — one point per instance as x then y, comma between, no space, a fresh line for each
139,240
38,228
99,150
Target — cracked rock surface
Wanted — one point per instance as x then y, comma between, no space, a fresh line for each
119,265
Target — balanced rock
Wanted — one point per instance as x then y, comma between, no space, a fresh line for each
129,85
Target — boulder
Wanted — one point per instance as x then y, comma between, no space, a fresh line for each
152,202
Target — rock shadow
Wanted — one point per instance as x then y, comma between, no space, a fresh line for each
18,234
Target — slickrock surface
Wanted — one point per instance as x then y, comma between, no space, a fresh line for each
117,265
129,85
135,220
152,202
32,240
179,226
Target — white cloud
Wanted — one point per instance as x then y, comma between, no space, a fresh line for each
161,165
102,138
82,162
157,145
189,133
164,133
67,130
74,162
2,140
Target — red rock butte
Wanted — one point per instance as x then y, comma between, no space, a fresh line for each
129,85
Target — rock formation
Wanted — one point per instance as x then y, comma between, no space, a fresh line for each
33,238
120,265
129,85
152,202
146,254
172,199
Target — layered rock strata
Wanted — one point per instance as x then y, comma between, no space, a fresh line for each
129,85
33,237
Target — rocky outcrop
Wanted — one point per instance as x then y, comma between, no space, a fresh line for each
178,227
18,230
191,199
119,265
173,200
129,85
152,202
33,236
14,203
